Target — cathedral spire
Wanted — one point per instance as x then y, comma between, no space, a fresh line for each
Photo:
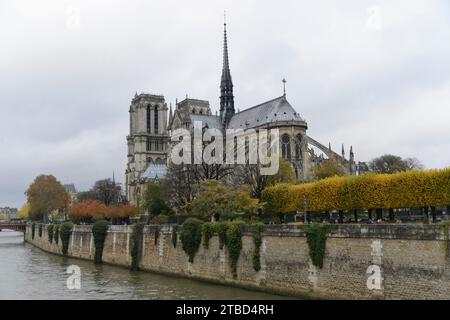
170,114
226,84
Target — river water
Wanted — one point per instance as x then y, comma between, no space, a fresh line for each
27,272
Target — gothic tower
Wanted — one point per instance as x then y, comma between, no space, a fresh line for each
226,86
147,141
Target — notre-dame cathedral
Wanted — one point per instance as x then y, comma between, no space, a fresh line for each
151,122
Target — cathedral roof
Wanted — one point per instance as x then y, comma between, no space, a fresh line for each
275,110
207,120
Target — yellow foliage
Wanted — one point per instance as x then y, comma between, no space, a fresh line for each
410,189
24,212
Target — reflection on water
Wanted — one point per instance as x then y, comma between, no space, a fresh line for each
27,272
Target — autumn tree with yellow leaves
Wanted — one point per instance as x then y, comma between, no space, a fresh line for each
45,195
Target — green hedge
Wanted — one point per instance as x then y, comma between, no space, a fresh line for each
234,244
174,236
257,241
222,228
208,230
65,231
136,245
316,237
33,230
50,233
56,233
99,232
412,189
191,237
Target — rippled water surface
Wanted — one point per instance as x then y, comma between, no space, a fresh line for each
27,272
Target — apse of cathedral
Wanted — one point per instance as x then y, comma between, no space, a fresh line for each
152,120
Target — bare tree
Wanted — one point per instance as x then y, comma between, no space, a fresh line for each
413,164
106,191
389,163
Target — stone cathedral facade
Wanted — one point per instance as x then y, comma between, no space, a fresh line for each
151,121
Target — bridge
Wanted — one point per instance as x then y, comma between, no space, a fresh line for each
16,226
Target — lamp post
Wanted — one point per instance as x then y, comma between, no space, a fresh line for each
305,206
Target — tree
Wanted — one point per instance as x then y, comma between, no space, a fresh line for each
214,199
24,211
85,195
45,195
180,183
181,178
413,164
155,198
329,168
389,163
251,175
285,173
106,191
88,210
121,212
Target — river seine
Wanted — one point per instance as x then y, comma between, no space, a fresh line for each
27,272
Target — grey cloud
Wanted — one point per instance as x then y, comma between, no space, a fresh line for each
65,92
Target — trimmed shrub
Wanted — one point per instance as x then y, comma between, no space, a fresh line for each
174,235
99,232
207,231
257,241
222,228
50,233
65,230
136,245
56,233
191,237
411,189
156,235
33,230
234,244
316,236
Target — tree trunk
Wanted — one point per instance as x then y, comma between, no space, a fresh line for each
425,211
391,215
341,216
370,214
308,217
379,212
433,214
355,212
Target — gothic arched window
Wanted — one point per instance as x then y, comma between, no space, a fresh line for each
286,147
298,147
156,119
148,119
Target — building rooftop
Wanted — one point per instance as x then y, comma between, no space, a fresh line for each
70,188
278,109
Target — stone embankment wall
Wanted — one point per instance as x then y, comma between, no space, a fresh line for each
360,262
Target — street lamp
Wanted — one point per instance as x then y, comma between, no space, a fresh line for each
305,206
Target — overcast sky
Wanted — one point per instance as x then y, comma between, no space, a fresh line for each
372,74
